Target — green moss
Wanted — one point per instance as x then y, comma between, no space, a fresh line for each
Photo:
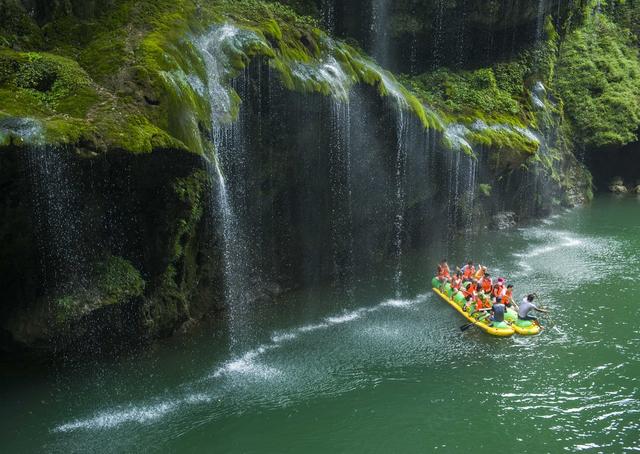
493,95
17,29
114,281
118,281
485,189
598,78
48,83
191,193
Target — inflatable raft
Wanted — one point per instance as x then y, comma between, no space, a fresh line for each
502,329
522,327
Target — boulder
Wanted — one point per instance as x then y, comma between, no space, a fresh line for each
504,220
618,189
616,185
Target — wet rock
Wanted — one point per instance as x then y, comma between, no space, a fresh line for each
504,220
636,190
616,185
618,189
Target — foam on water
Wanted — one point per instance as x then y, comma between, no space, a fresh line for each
248,364
140,415
344,318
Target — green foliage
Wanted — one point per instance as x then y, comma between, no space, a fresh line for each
17,28
495,95
485,189
598,78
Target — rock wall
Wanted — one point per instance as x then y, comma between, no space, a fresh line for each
140,178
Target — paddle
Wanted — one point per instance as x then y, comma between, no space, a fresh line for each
463,328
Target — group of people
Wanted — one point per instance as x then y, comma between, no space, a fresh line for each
482,294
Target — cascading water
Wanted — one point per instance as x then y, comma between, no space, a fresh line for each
438,34
228,138
462,29
401,159
540,21
58,222
328,14
380,31
341,196
471,194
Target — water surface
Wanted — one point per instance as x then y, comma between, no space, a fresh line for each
376,373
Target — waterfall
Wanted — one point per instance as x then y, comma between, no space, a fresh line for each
438,34
472,194
58,222
540,22
460,45
400,190
493,10
380,31
341,196
226,174
328,14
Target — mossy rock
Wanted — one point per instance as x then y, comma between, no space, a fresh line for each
114,281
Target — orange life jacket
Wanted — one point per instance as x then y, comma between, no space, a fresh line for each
468,272
497,291
486,285
471,289
508,297
457,283
480,274
479,303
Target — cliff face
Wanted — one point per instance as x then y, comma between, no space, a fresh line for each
166,160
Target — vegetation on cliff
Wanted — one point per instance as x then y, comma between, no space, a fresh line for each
124,80
598,79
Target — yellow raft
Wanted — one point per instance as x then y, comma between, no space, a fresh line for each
511,322
503,330
522,327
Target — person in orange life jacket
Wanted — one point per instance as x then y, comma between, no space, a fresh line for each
444,274
486,283
508,296
469,293
498,289
468,271
456,282
481,300
470,290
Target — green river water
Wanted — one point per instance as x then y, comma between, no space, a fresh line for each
378,374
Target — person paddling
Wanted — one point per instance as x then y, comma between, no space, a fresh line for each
527,306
